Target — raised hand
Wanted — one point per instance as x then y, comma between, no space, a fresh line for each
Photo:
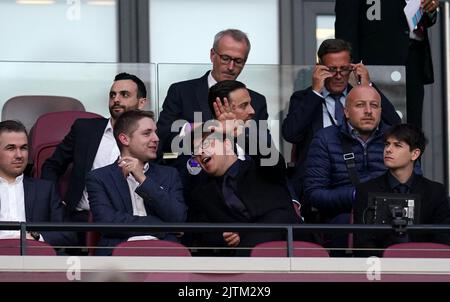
361,74
227,118
320,74
430,5
223,110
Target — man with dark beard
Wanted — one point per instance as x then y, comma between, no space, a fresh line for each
90,145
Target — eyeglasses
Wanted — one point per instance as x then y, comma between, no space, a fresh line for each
206,143
226,59
344,71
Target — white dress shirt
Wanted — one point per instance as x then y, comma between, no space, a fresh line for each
107,153
137,203
211,80
12,204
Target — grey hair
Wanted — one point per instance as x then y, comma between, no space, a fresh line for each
236,34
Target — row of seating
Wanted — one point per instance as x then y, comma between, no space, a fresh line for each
161,248
50,119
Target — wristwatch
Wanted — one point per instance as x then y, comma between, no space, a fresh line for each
36,236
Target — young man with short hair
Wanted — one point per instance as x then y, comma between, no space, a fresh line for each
404,145
23,198
134,189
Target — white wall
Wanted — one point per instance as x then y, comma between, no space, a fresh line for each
183,31
67,30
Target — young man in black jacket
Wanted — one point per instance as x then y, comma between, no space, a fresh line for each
404,144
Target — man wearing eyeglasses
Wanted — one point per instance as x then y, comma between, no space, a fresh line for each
228,56
237,191
321,105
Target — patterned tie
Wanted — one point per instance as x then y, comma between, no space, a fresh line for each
338,109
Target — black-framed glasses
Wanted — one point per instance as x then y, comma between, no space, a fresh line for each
204,145
226,59
207,143
344,71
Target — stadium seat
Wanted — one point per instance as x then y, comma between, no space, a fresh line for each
48,131
28,108
417,250
159,248
279,249
11,247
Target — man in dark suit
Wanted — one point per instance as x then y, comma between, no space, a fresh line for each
404,144
228,55
23,198
379,34
90,145
321,105
238,191
230,101
133,189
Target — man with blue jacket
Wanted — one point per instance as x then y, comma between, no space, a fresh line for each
321,104
332,173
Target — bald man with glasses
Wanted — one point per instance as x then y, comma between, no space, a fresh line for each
322,104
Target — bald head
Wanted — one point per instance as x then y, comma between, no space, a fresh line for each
363,109
364,92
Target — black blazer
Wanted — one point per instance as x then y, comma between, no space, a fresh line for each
261,189
185,98
79,148
384,41
42,204
434,209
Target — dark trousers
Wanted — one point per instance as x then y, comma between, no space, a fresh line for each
415,82
78,216
338,242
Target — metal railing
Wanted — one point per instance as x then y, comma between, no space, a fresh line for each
214,227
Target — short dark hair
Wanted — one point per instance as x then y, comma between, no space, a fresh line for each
333,46
12,126
222,90
127,123
142,91
410,134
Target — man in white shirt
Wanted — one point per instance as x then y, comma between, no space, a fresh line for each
133,189
22,198
90,144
